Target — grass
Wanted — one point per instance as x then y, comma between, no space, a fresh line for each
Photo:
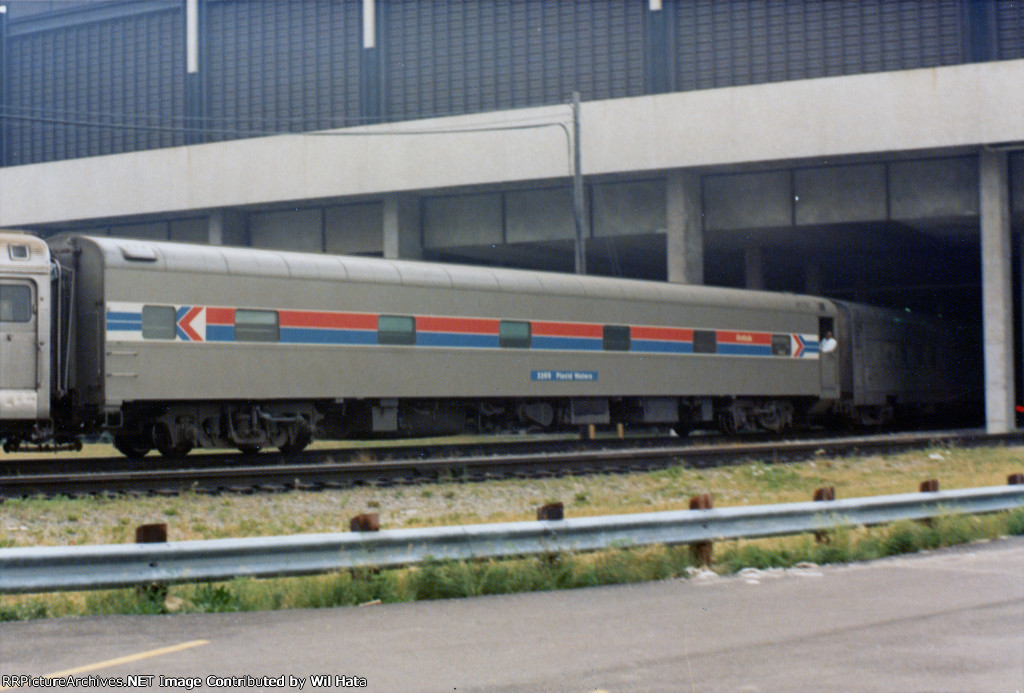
64,521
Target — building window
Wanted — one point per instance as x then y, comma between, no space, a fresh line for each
616,338
15,303
158,322
396,329
256,326
513,334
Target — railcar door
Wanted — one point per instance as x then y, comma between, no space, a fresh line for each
828,358
18,351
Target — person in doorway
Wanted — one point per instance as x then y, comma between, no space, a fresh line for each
828,344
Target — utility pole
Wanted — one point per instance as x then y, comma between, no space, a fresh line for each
577,187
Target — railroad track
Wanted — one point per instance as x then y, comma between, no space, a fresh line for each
269,473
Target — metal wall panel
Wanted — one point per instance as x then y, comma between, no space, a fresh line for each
468,56
103,77
99,87
1010,30
720,43
282,66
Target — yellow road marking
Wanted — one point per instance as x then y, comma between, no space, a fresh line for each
124,660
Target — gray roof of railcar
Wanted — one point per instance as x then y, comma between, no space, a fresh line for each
209,259
37,260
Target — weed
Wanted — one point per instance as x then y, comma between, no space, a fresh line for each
214,599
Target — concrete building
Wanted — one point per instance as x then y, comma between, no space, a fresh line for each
869,149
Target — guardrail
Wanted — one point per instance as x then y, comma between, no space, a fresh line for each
48,569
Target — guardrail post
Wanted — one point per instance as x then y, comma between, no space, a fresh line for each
1015,479
929,486
151,534
701,550
367,522
824,493
155,533
551,511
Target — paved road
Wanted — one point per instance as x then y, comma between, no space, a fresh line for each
946,621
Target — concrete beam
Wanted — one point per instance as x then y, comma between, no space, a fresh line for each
881,112
997,302
912,110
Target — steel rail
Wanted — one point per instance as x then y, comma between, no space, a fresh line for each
48,569
302,472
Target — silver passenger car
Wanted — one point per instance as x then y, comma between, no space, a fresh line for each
219,346
175,346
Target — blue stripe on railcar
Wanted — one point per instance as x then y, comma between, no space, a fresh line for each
651,346
124,326
312,335
567,343
745,349
457,339
220,333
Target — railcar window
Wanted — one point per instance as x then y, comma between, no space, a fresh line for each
781,345
396,329
18,252
616,338
705,342
256,326
15,303
513,334
158,322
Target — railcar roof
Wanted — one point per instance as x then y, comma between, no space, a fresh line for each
22,253
208,259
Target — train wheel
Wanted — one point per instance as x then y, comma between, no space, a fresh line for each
297,445
248,449
163,442
132,446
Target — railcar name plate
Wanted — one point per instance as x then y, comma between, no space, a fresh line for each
564,376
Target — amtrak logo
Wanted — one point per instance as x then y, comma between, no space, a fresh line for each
191,323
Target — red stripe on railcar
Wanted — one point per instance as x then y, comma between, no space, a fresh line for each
664,334
730,337
325,320
220,316
457,325
566,329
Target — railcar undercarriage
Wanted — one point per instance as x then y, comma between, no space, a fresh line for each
174,430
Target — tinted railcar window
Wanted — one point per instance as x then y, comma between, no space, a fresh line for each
616,338
705,342
256,326
513,334
396,329
158,322
15,303
781,345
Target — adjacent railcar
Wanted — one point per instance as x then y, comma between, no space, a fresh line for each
25,331
894,364
176,346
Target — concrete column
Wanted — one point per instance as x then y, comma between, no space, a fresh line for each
997,301
753,260
402,235
684,222
226,227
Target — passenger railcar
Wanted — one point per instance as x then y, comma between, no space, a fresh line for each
176,346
